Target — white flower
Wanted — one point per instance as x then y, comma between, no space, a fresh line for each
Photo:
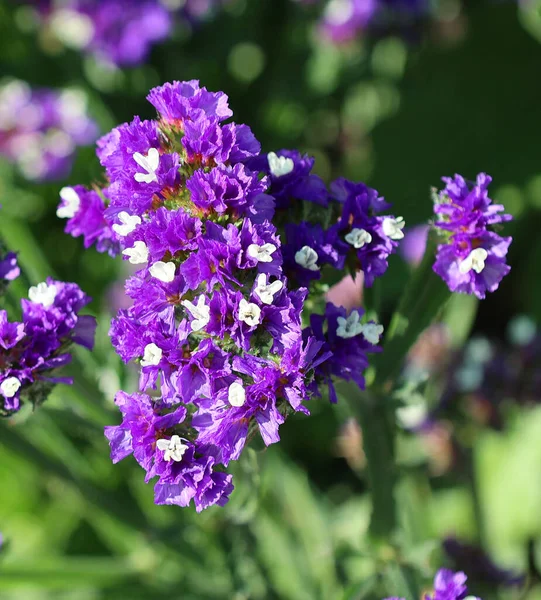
138,254
43,294
350,327
338,12
10,386
236,394
152,355
200,312
72,28
412,415
149,163
265,292
164,271
392,228
172,449
279,165
307,257
261,253
475,260
358,238
372,332
128,223
71,203
249,313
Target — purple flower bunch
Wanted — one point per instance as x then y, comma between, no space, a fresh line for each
121,32
32,350
447,586
41,129
473,258
344,20
215,323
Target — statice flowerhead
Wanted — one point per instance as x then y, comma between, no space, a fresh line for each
40,129
215,324
31,351
472,260
9,268
119,32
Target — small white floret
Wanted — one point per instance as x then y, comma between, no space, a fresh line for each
200,313
71,203
164,271
10,386
266,291
127,224
149,163
372,332
307,257
474,261
350,327
152,355
261,253
43,294
236,394
249,313
137,254
358,238
172,449
392,228
280,165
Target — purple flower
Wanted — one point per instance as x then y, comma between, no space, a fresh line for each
9,269
40,129
472,259
413,246
31,351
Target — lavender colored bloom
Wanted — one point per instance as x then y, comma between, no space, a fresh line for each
9,269
447,586
472,259
119,32
413,246
215,324
31,351
40,129
344,19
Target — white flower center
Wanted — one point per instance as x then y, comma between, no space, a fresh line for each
152,355
71,203
350,327
339,12
392,228
172,449
261,253
475,260
43,294
249,313
200,313
128,223
138,254
236,394
164,271
280,165
307,257
10,386
372,332
358,238
149,163
266,291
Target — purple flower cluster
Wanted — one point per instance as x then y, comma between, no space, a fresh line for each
344,20
361,239
41,129
215,323
447,586
121,32
9,268
473,258
32,350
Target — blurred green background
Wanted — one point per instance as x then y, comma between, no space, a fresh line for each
460,93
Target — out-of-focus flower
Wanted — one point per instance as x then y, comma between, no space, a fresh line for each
120,32
413,245
40,129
